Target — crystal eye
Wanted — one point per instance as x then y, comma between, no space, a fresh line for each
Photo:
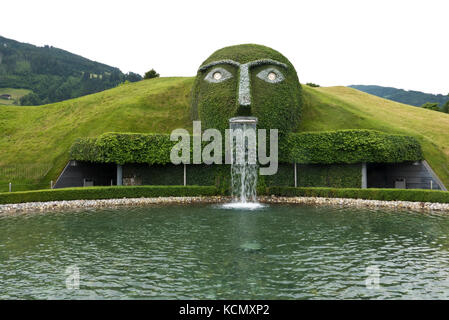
271,75
218,75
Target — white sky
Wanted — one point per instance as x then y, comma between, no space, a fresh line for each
403,44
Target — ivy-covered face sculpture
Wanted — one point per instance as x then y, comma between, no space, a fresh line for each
247,80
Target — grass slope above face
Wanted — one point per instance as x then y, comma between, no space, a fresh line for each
42,136
334,108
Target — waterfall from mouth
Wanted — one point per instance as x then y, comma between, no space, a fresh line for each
244,159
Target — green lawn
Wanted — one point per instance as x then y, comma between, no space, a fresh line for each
16,94
37,139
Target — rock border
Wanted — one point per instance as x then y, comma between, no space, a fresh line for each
315,201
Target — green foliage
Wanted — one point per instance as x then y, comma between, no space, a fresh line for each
332,147
169,174
276,105
415,195
309,175
349,146
313,85
414,98
54,74
124,148
151,74
92,193
431,106
445,108
30,99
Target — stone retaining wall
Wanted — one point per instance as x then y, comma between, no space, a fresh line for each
112,203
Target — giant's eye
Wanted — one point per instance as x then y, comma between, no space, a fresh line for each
271,75
218,75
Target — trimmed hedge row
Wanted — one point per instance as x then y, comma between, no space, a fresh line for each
95,193
350,146
124,148
414,195
329,147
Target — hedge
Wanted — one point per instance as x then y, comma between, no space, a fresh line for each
93,193
329,147
124,148
415,195
349,146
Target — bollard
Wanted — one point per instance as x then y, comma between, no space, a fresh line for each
431,184
10,187
185,175
51,184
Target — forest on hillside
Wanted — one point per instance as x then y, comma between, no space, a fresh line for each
54,74
414,98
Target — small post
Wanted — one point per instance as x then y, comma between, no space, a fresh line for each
431,184
10,187
185,175
51,184
119,175
296,183
112,182
364,176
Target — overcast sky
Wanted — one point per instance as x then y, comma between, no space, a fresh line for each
404,44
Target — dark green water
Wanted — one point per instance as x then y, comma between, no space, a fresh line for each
205,252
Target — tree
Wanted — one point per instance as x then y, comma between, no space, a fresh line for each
133,77
446,107
431,106
30,99
314,85
151,74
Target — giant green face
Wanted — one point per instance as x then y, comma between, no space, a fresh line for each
247,80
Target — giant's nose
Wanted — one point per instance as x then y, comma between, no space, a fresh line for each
244,87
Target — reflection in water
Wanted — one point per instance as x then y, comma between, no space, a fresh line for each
207,252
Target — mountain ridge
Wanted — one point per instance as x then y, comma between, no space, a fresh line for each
53,74
411,97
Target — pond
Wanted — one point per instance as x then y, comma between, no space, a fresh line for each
209,252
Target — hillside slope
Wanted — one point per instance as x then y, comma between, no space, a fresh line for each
53,74
40,137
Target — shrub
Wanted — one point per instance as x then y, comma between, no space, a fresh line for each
349,146
329,147
415,195
124,148
151,74
91,193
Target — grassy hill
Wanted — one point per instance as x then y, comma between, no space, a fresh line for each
34,141
16,94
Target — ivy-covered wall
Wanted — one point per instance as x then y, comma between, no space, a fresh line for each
324,158
337,176
330,147
310,175
169,174
349,146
